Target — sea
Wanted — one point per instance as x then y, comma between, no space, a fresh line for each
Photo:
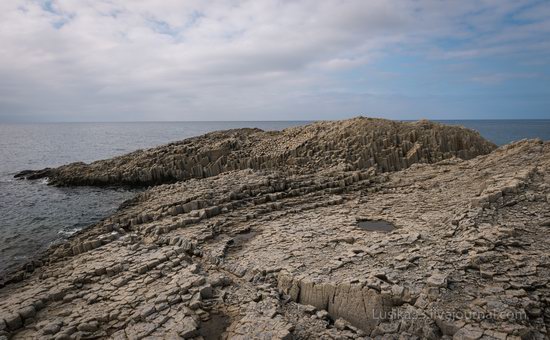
34,215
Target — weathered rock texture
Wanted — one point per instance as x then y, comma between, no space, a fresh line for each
358,143
277,254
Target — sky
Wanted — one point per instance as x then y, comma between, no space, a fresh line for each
178,60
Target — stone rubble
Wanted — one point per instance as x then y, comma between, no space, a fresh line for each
276,253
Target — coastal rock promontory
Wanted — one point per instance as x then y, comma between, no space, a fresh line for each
272,248
356,144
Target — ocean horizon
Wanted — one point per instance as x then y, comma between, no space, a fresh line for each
274,169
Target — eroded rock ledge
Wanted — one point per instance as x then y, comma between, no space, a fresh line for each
277,253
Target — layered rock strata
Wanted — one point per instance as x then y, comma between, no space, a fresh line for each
278,254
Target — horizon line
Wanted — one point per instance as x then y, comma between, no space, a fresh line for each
263,121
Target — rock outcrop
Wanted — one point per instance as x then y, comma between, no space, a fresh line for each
357,144
277,253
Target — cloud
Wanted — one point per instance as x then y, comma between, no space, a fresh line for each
215,60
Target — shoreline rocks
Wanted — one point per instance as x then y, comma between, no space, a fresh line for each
278,253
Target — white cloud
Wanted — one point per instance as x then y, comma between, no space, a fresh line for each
193,60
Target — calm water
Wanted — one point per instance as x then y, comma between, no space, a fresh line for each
33,215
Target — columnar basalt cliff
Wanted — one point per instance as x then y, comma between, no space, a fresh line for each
359,143
275,252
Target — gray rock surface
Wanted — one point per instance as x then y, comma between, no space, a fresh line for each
276,253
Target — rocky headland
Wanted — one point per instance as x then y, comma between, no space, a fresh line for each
246,234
